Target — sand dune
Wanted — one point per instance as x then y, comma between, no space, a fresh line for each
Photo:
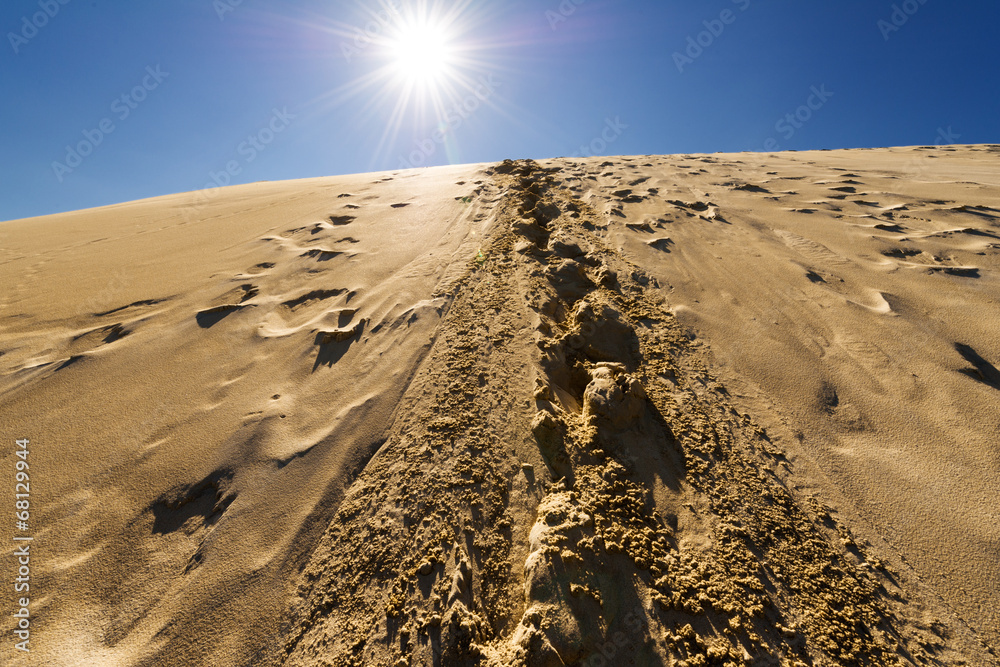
694,410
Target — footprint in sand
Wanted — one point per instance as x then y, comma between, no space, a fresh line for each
312,297
81,344
663,245
311,231
902,253
304,240
101,336
850,189
225,305
814,277
315,309
259,269
640,227
209,317
333,344
748,187
135,308
190,512
699,206
342,334
981,370
322,254
982,211
289,233
886,227
919,259
627,197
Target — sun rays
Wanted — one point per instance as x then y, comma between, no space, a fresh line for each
417,63
421,53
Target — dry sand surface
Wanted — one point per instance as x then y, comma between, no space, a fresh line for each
666,410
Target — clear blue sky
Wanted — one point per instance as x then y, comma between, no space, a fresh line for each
211,74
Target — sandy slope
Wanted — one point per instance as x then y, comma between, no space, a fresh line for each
696,409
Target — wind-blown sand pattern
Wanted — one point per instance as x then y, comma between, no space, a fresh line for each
665,410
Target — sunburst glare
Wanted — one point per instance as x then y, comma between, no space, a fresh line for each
422,65
420,52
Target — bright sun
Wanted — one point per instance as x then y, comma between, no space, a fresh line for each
420,53
420,70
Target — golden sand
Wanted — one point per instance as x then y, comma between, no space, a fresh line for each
683,410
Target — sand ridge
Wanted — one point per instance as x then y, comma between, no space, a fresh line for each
692,410
663,532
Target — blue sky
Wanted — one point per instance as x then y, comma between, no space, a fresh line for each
110,101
